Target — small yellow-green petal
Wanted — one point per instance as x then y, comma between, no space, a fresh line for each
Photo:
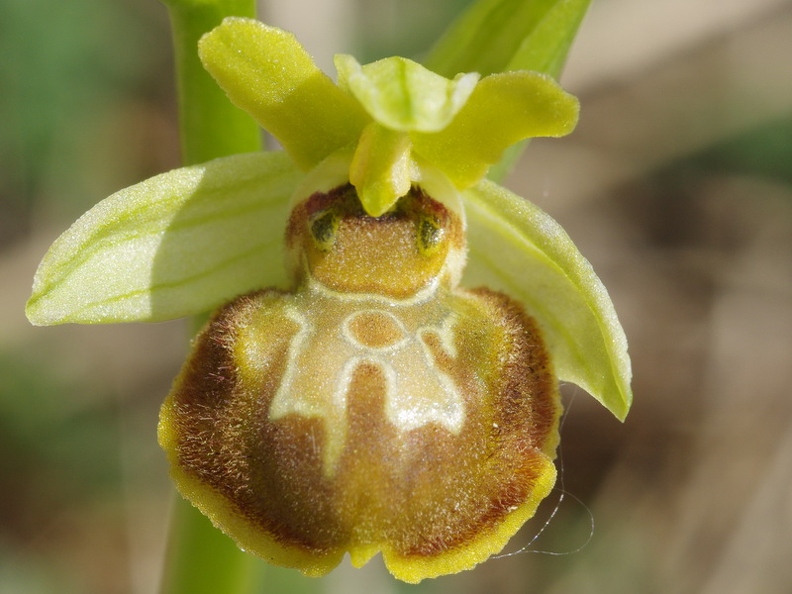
517,248
403,95
381,168
502,110
177,244
266,72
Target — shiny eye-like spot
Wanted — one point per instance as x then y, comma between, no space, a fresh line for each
429,233
324,225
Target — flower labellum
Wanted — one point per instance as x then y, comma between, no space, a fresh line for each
366,401
377,407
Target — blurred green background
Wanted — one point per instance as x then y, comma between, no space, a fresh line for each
677,185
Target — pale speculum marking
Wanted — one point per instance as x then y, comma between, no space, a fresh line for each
338,334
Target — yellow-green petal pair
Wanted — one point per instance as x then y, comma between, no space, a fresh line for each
394,114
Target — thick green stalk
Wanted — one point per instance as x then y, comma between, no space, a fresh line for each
210,125
200,559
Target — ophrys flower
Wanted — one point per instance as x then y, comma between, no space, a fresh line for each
373,405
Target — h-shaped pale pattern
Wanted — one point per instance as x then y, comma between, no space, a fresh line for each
339,333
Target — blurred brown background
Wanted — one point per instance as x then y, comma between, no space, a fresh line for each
677,185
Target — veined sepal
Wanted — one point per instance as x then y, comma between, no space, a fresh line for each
177,244
517,248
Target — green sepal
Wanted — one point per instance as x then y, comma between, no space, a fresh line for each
266,72
177,244
517,248
502,110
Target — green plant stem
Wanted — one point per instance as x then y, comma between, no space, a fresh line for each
210,125
200,559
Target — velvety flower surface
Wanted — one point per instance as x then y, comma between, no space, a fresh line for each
366,401
377,407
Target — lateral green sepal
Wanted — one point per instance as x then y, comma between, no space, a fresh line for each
177,244
517,248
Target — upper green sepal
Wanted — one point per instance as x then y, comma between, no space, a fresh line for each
517,248
177,244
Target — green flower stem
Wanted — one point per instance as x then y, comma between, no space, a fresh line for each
203,560
210,125
200,559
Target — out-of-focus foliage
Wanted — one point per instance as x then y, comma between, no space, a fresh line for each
765,151
66,67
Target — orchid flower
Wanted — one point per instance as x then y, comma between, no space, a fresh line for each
358,399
